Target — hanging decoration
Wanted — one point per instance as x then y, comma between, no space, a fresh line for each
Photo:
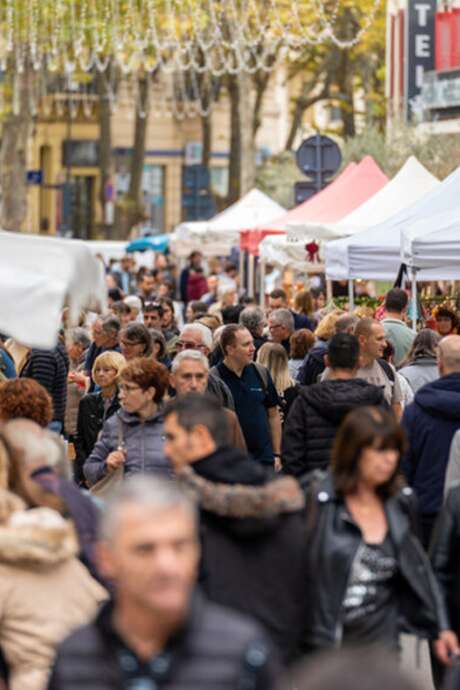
213,36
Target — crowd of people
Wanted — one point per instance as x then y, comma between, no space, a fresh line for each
198,492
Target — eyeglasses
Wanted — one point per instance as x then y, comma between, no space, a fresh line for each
130,343
128,389
187,345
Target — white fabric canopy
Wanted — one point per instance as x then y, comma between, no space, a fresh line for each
108,249
410,184
38,276
434,244
374,253
279,250
220,234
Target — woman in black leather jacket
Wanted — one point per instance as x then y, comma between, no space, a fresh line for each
369,577
445,559
95,408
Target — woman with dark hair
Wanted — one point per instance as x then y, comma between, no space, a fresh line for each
168,322
135,341
370,578
160,350
446,321
300,342
421,365
132,438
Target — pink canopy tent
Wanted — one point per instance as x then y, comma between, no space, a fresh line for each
349,190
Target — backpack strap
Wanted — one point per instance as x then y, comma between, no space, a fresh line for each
262,372
388,369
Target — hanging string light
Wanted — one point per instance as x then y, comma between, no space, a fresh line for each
145,33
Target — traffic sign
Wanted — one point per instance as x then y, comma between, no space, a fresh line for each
319,157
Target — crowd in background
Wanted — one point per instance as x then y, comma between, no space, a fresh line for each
322,450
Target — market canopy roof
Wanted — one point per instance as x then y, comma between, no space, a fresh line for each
353,187
220,234
38,277
411,182
433,244
375,253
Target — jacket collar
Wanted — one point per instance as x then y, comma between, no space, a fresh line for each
129,418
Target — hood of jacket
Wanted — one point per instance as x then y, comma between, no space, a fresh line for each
441,397
130,418
38,537
333,400
243,500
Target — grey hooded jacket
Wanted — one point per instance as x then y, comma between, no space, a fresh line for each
142,440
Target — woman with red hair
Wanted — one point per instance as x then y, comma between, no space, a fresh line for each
132,438
25,399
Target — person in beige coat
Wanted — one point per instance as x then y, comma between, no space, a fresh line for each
45,591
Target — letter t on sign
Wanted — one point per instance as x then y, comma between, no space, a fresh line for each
422,10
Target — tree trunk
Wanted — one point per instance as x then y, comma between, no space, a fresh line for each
206,137
13,156
105,140
130,210
242,145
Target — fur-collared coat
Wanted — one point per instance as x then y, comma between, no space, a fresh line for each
253,534
45,592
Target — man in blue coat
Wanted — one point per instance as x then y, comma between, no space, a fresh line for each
430,423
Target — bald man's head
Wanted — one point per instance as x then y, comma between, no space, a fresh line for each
449,355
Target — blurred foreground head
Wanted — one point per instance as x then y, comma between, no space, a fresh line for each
351,669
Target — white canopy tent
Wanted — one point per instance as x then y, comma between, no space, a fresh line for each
38,276
411,183
287,253
219,235
374,253
108,249
433,244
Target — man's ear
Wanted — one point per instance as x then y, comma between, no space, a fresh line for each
104,560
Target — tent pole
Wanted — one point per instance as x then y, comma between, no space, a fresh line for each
414,300
241,267
262,283
329,290
251,276
351,295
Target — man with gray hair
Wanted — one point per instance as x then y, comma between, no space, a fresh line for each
190,374
253,318
159,631
197,336
106,333
430,423
281,327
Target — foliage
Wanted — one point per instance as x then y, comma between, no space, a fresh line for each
440,154
277,176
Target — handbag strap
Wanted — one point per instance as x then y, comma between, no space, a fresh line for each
120,433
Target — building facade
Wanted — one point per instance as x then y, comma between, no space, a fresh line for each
423,63
63,172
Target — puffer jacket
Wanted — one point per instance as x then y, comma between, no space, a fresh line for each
314,418
445,555
50,369
216,648
143,443
45,592
253,523
314,364
333,542
430,423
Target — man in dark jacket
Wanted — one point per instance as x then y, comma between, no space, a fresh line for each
430,423
50,369
159,632
254,564
318,410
